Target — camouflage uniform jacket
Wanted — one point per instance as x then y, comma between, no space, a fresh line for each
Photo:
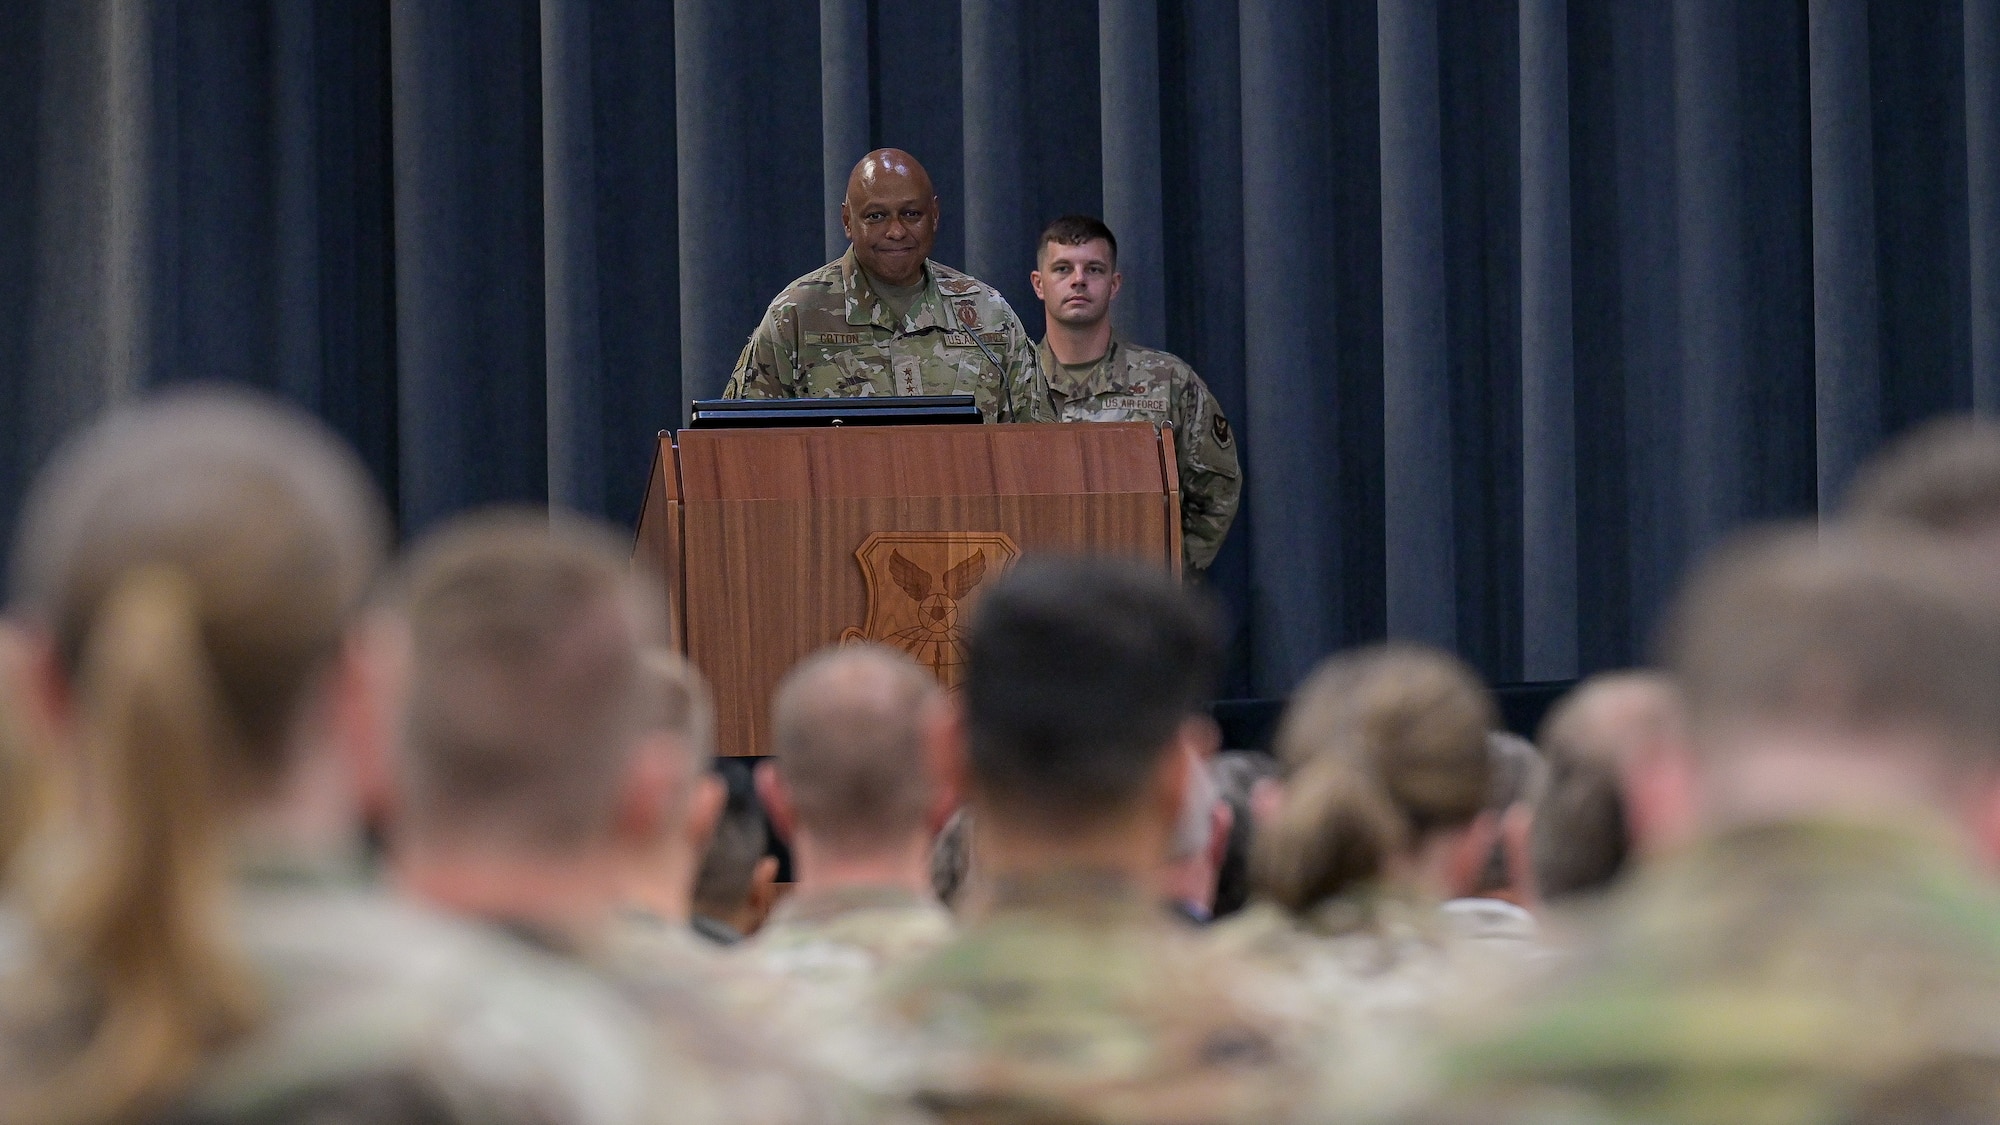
1371,979
829,336
375,1010
1135,384
821,958
1075,998
733,1026
1783,974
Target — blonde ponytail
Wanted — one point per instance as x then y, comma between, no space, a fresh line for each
1336,832
139,922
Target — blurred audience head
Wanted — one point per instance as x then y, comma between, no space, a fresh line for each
1943,477
1847,671
187,579
1387,777
1583,833
529,705
677,741
1239,774
1201,840
735,887
848,784
1520,776
1087,683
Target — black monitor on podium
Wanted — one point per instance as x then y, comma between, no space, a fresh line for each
914,410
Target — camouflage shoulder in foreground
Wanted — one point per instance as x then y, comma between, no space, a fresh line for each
1372,981
1079,1000
821,959
1803,974
1138,384
725,1026
373,1010
829,336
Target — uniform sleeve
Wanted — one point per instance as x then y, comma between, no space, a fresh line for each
1211,478
769,364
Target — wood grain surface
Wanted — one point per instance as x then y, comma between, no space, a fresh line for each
769,522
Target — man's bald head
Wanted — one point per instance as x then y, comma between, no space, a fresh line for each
891,216
889,168
847,742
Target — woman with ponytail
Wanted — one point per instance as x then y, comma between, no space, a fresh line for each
1381,818
188,583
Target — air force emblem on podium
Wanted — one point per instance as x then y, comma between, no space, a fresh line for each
920,585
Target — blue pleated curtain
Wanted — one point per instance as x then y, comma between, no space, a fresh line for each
1517,306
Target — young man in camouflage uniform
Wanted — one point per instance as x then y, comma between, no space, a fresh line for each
527,775
886,320
1095,376
1827,947
1074,995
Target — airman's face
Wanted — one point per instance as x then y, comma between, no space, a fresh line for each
892,222
1076,283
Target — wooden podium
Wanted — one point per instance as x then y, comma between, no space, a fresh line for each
773,543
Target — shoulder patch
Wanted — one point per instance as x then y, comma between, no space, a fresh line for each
1220,428
966,310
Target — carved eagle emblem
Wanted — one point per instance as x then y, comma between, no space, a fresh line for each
919,587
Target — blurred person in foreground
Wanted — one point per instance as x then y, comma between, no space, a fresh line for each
736,885
1238,774
1941,477
1597,740
1383,818
24,783
1194,856
1506,888
1827,949
1070,995
849,789
200,946
660,872
528,780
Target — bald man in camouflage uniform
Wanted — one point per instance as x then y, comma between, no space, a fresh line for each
886,320
1826,951
1095,376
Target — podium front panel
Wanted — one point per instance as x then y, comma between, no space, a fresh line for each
796,539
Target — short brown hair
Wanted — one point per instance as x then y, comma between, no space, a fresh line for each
680,703
1077,230
1943,476
846,741
1856,629
527,694
1582,835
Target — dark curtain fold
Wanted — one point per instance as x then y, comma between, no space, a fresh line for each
1517,307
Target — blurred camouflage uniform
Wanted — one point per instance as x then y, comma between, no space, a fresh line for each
1075,998
829,336
734,1025
1778,975
823,957
382,1012
1372,979
1135,384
